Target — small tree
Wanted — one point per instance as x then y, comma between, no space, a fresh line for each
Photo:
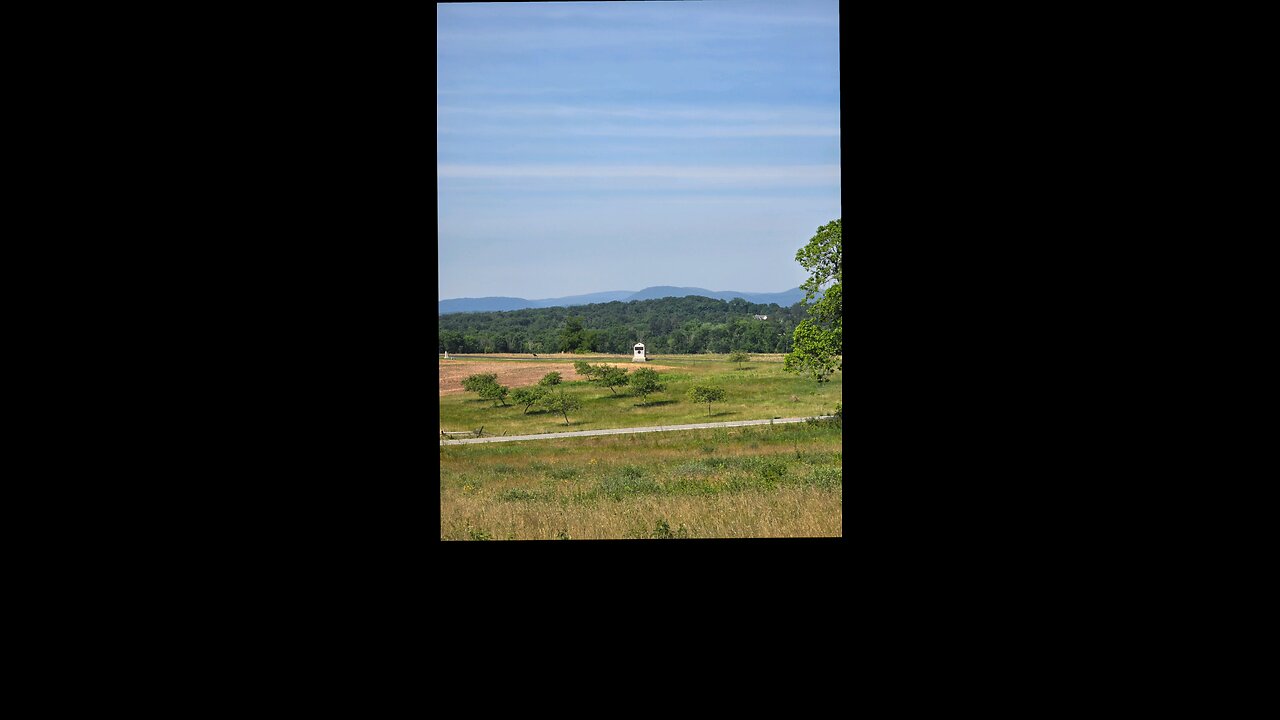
706,394
561,403
739,357
528,396
644,381
474,383
551,378
586,369
611,377
495,392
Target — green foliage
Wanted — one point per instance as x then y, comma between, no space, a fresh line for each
495,392
826,478
706,394
663,531
487,387
571,336
610,377
550,379
586,369
582,351
645,382
561,403
474,383
816,351
817,342
739,357
628,480
529,396
669,326
839,412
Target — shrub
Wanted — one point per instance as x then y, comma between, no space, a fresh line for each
551,378
663,530
474,383
825,477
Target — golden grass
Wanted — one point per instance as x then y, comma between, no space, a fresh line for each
740,483
787,512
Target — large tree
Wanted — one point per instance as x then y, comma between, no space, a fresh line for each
817,342
571,335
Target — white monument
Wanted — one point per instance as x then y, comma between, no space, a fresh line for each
639,353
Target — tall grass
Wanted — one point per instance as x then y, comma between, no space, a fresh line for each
764,481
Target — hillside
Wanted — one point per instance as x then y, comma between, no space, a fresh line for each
499,304
691,324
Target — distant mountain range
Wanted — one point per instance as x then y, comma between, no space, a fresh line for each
497,304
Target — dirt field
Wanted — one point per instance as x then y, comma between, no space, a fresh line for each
522,374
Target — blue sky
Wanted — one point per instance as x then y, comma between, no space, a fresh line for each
584,147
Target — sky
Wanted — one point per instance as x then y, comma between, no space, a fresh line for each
585,147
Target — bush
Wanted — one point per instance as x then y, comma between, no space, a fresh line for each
662,530
474,383
825,477
551,378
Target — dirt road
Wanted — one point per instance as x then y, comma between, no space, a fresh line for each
624,431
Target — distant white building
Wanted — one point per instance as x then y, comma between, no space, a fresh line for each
638,354
762,317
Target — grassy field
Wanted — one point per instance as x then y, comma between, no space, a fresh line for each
750,482
756,390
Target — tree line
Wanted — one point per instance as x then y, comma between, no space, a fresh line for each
691,324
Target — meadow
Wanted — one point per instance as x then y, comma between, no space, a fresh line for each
756,390
748,482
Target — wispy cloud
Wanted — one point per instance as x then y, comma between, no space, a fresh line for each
623,121
733,175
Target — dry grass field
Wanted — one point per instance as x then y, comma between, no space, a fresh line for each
527,372
751,482
754,482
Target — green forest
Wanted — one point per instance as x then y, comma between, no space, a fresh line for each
691,324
